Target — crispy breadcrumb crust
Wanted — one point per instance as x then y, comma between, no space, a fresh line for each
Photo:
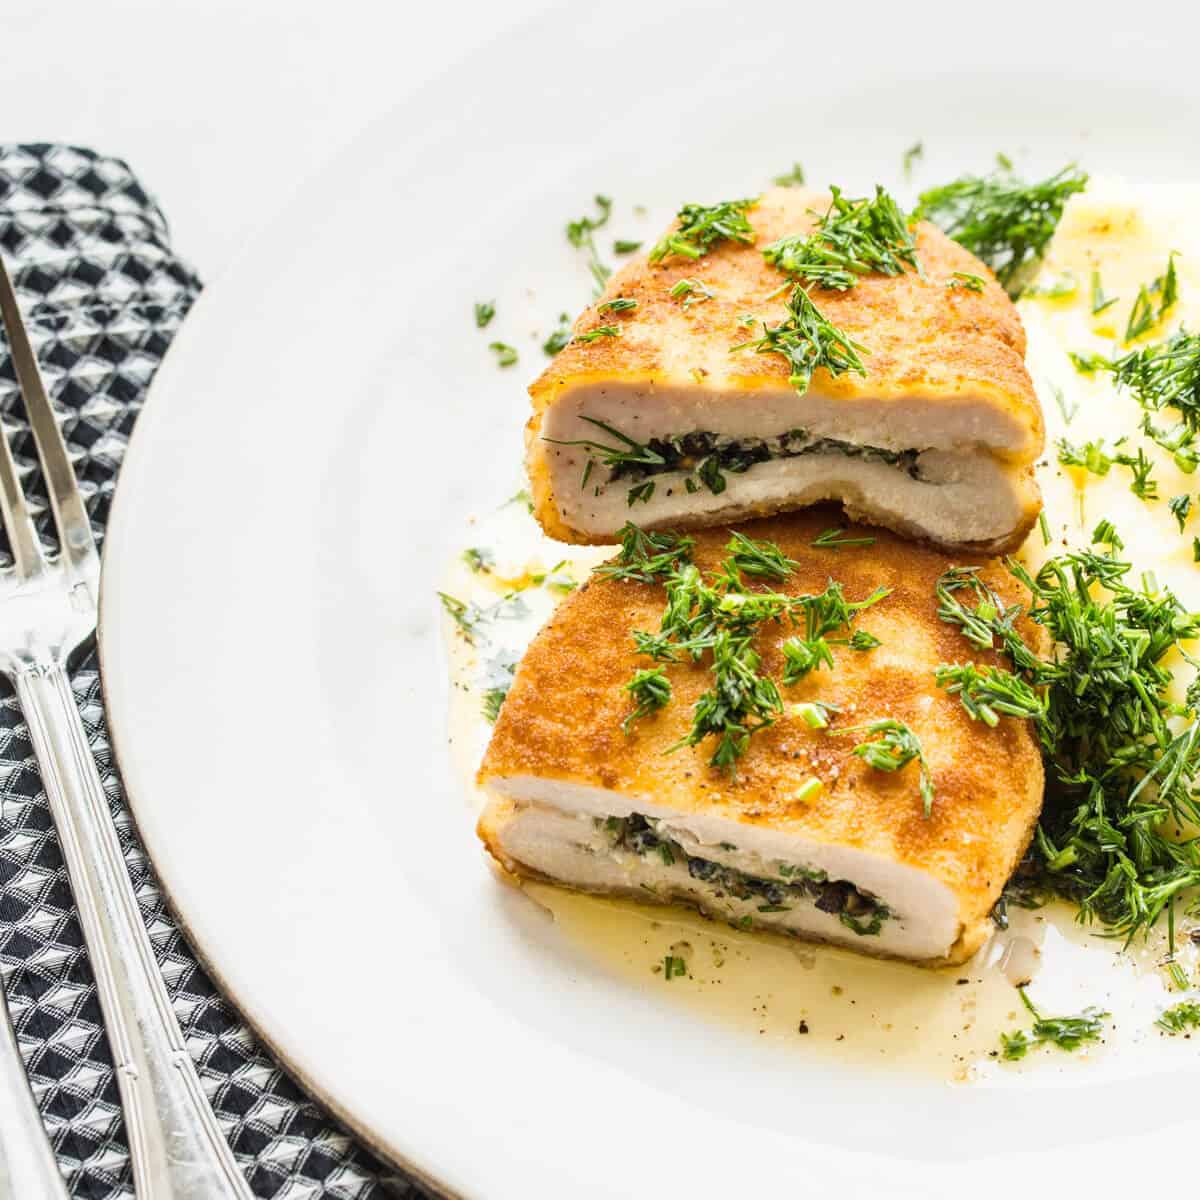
925,340
562,720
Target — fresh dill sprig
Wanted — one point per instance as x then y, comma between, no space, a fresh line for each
1095,459
617,304
1067,1033
835,539
651,690
648,556
493,698
964,279
989,693
761,560
1179,1018
1002,219
627,453
485,310
479,558
1181,507
809,341
891,747
579,234
1118,771
853,238
600,331
559,337
691,291
506,355
702,226
793,178
801,655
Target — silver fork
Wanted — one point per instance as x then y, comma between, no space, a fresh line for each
47,609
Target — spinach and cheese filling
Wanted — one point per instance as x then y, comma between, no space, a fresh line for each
793,885
705,458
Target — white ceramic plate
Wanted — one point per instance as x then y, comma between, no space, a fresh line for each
272,664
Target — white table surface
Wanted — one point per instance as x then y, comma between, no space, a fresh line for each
224,107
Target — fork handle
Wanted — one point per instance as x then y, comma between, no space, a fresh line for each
28,1170
177,1149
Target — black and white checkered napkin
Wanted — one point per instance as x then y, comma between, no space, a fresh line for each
103,295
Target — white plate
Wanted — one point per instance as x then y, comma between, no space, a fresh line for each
273,670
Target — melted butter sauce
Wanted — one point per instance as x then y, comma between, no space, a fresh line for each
811,999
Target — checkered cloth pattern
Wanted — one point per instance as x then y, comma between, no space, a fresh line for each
103,296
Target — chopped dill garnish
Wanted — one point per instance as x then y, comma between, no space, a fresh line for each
911,157
1179,1018
505,354
835,539
485,310
620,246
493,698
558,337
761,560
1002,219
794,178
1044,526
989,693
692,291
601,331
617,304
674,967
640,493
853,238
801,655
809,342
1095,459
1141,316
1061,288
964,279
521,497
651,690
479,558
462,614
702,226
1119,775
1100,301
1060,399
1087,364
891,747
860,639
1181,507
579,234
1067,1033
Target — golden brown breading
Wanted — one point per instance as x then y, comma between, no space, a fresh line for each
562,720
925,340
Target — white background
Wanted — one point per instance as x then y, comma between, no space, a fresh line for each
224,107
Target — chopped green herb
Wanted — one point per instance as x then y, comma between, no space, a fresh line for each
617,304
892,746
1100,301
521,497
964,279
1068,411
835,539
674,967
853,238
1087,364
1000,218
1093,457
1170,286
553,581
794,178
813,713
628,452
640,493
579,234
620,246
809,342
1180,1018
1044,527
505,355
989,693
601,331
648,556
1105,534
559,337
462,614
694,291
479,559
1180,507
1061,288
703,226
1067,1033
911,156
651,690
484,311
761,560
800,656
493,698
861,640
1141,316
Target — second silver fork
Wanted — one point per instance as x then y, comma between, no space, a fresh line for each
48,607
